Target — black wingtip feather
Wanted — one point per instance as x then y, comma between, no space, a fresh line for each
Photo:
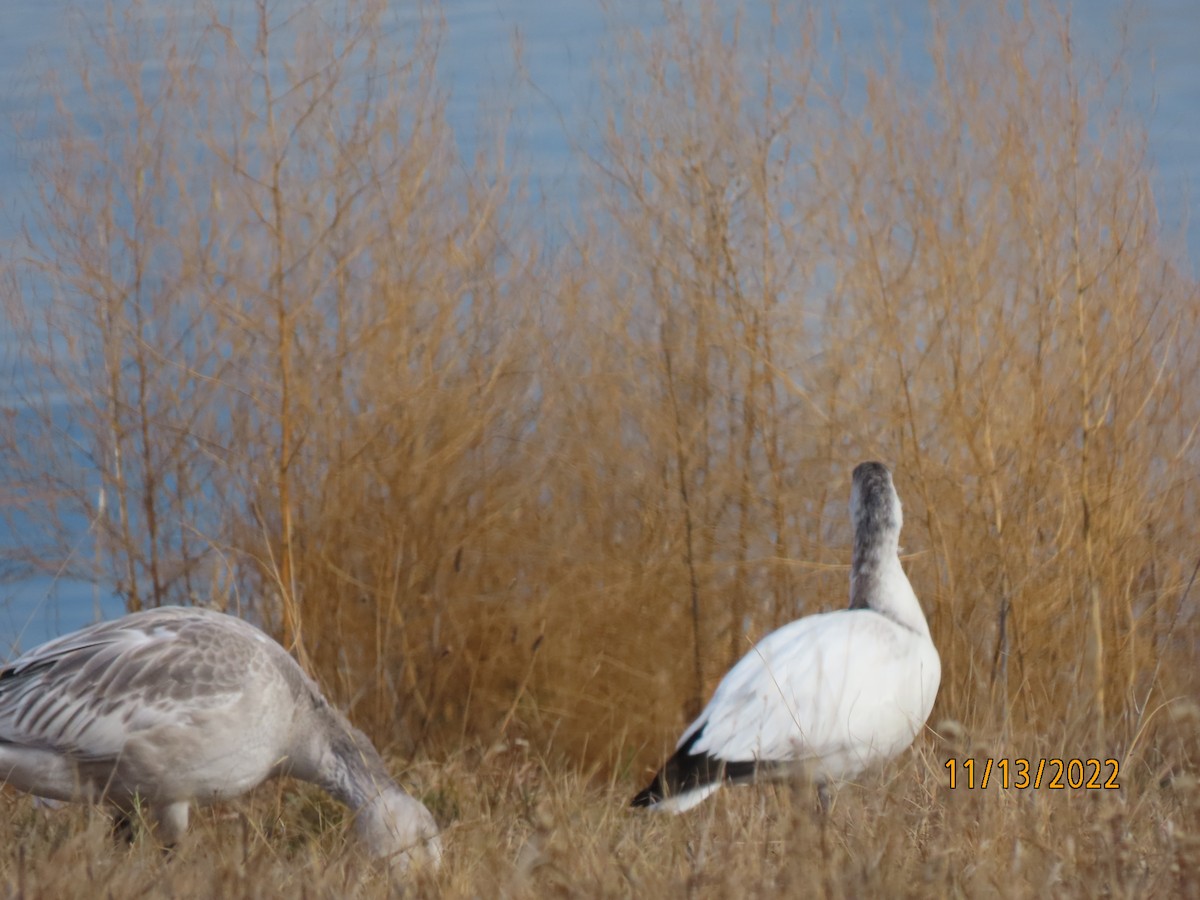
686,771
648,797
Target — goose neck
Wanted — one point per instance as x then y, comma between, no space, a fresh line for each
878,583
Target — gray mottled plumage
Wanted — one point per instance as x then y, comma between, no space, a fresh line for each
179,704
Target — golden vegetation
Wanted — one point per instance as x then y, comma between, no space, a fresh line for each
519,491
520,826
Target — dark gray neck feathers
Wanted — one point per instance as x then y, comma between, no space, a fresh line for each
358,773
875,512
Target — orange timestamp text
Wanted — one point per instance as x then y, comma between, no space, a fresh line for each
1021,773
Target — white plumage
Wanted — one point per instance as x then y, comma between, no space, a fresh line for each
827,695
176,705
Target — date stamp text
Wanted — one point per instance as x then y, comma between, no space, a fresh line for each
1020,773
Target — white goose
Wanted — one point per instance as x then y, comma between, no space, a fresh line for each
827,695
173,705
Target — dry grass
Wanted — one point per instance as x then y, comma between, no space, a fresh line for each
500,480
520,825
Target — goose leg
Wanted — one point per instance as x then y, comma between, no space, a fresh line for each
824,798
122,827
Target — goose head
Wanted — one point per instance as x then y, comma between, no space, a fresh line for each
399,830
874,505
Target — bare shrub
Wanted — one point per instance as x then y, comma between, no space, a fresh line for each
493,483
270,335
966,281
1035,358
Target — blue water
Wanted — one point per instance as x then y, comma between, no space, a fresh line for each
551,96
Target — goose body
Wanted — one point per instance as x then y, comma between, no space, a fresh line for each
827,695
176,705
